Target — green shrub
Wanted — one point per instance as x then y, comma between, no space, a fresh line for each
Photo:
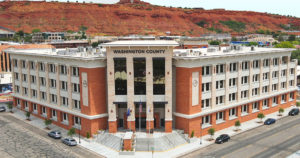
211,131
298,104
214,42
100,5
88,135
234,25
237,124
71,132
192,134
281,110
260,116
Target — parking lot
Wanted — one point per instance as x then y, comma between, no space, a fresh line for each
19,139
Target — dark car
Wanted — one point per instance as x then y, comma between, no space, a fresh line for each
222,138
69,141
294,111
55,134
2,109
269,121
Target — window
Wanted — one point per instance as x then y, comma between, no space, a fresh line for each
34,108
244,94
292,96
245,65
283,73
53,98
291,83
206,70
52,68
52,83
64,101
283,98
233,67
34,93
206,120
265,76
76,104
26,105
265,103
232,82
244,79
16,76
65,117
77,121
275,61
274,87
255,64
17,89
265,89
76,88
285,59
220,100
220,116
25,91
32,65
23,64
63,69
16,63
41,66
24,76
244,109
255,78
53,113
44,112
75,71
255,91
274,101
220,84
275,74
18,102
232,112
266,62
232,97
205,103
292,71
43,96
220,68
255,107
283,85
42,81
64,85
33,79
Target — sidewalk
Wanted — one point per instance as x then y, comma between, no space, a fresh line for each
176,152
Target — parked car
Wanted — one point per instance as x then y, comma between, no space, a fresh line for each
55,134
294,111
269,121
2,109
222,138
69,141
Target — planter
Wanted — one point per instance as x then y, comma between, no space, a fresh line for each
28,119
88,139
237,130
210,139
192,140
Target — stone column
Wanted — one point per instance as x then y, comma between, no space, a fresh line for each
168,93
37,79
149,94
20,76
213,86
57,84
239,81
130,93
112,120
279,74
288,73
47,82
70,104
250,78
227,74
260,76
28,79
270,75
295,73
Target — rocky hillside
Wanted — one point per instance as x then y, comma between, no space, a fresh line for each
125,18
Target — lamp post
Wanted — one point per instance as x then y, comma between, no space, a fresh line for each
200,133
79,135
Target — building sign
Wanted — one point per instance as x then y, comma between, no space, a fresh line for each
85,93
140,51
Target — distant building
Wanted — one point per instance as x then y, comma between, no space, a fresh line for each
40,37
6,33
220,37
69,44
194,44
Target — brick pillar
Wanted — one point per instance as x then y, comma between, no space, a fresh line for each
250,108
49,113
71,120
270,102
112,126
279,99
238,111
30,106
131,125
168,126
39,108
213,119
14,100
59,116
226,115
22,105
260,105
151,126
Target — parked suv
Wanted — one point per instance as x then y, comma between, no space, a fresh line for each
222,138
294,111
270,121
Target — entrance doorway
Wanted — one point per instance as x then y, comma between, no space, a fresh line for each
140,120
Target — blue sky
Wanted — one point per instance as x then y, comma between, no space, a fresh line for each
283,7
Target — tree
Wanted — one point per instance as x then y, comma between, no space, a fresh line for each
260,116
214,42
211,131
71,132
35,31
280,111
192,134
298,104
237,124
233,39
296,55
27,114
10,106
47,123
284,44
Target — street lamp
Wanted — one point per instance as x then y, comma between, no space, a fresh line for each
79,135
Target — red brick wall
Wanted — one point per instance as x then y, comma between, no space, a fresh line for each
96,91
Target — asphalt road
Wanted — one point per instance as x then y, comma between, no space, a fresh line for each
21,140
275,141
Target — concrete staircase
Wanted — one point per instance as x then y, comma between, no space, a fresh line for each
110,141
163,143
